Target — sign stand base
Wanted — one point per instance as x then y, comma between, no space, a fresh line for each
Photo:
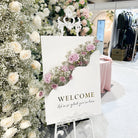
74,129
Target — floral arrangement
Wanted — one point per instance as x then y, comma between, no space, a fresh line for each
57,8
21,90
61,75
21,106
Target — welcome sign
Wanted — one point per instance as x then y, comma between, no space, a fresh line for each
80,98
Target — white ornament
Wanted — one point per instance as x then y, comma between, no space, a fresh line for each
67,24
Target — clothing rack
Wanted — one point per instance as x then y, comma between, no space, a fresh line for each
136,30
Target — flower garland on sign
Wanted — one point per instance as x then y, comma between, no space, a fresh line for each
61,75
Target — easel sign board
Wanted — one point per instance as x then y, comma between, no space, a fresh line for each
80,98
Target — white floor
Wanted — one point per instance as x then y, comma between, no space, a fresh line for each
122,113
119,107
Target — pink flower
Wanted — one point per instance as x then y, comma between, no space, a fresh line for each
69,1
83,33
82,2
70,77
84,53
90,47
64,68
86,29
73,58
40,93
78,13
54,86
71,67
62,79
86,62
85,12
47,78
97,41
84,22
80,63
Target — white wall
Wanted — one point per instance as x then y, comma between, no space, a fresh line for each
114,5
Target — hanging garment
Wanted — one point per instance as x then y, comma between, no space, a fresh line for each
130,20
121,39
130,39
130,36
123,21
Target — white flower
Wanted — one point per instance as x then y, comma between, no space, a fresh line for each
6,122
32,134
25,124
69,11
15,6
6,108
46,12
25,54
41,15
49,29
24,111
15,46
52,2
86,29
71,7
57,8
76,5
35,37
36,65
17,116
13,78
81,10
37,21
33,91
10,132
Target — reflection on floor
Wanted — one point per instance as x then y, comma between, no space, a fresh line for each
119,107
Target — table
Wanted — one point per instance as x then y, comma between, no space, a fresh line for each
105,72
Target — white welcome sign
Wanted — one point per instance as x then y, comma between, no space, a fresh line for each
80,98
